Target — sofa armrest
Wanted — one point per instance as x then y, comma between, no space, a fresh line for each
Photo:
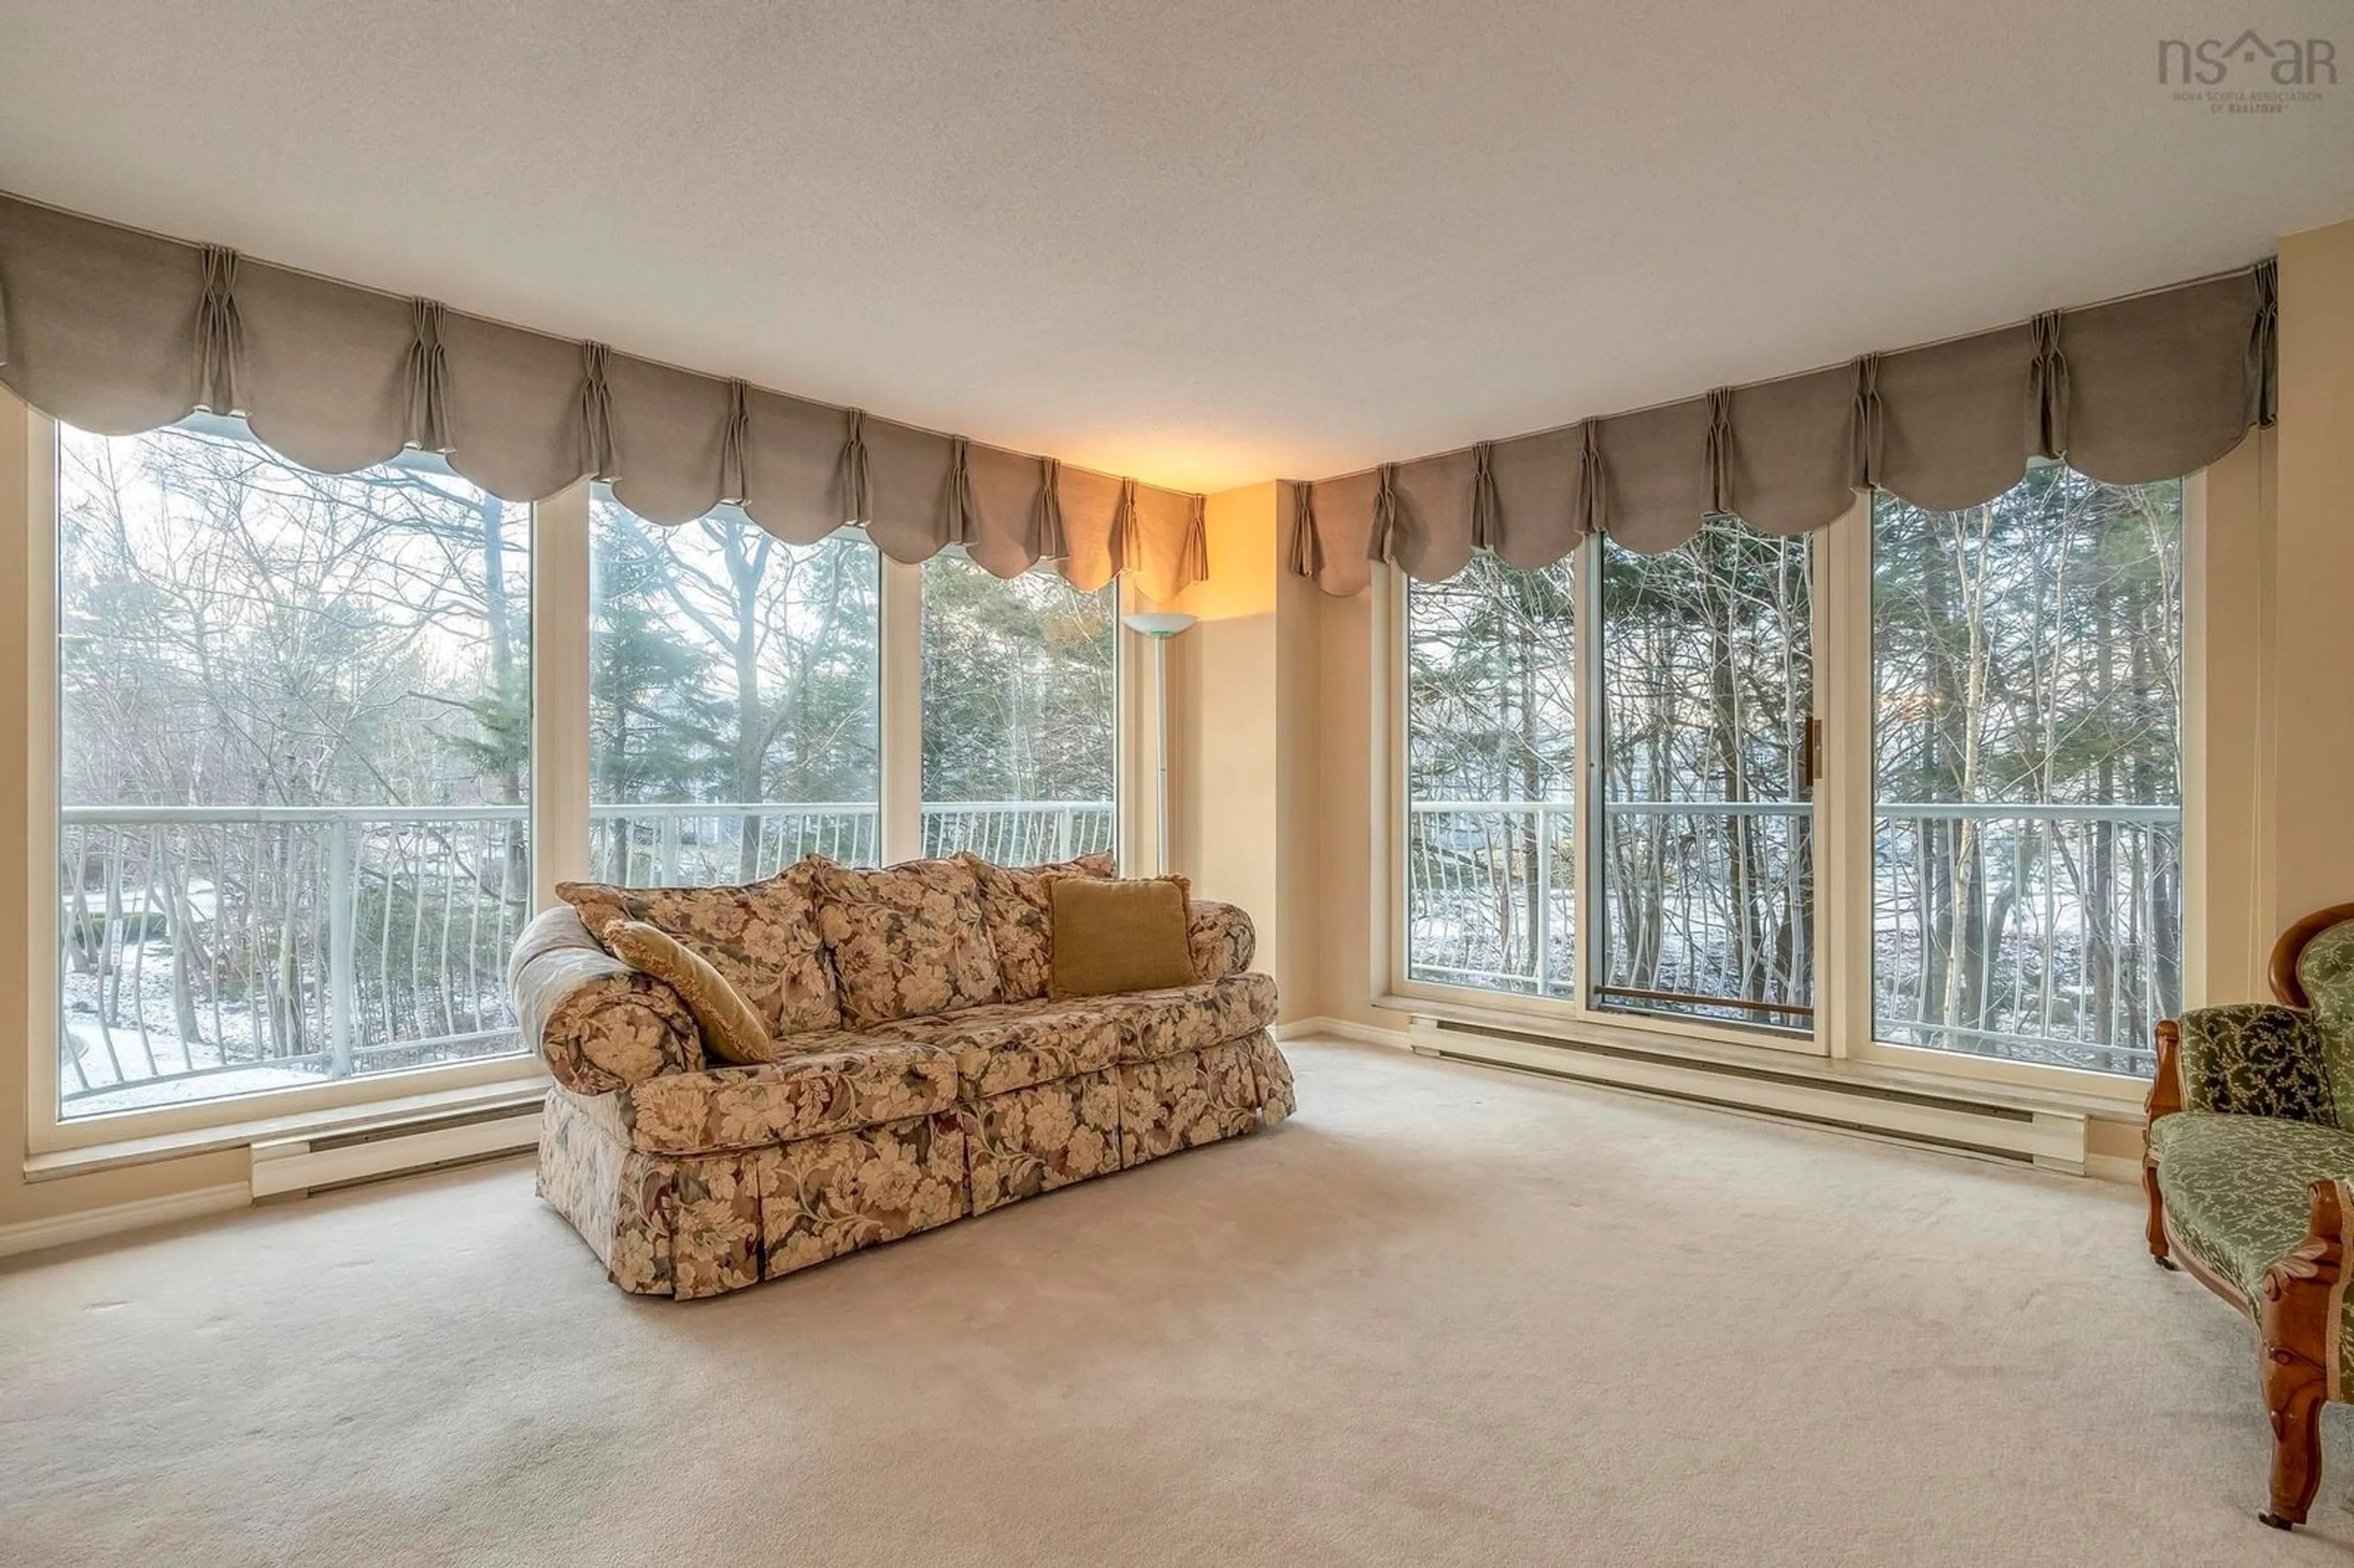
2254,1058
1221,939
596,1022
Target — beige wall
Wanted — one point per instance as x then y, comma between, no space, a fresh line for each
1343,769
2310,629
1243,693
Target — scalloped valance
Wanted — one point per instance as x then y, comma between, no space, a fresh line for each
118,331
2148,387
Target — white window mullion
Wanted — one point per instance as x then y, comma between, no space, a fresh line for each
559,692
1585,786
1843,792
28,477
903,712
1389,956
1137,805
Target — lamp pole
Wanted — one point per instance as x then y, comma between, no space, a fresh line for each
1160,626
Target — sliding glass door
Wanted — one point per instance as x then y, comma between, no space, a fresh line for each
1697,687
1705,819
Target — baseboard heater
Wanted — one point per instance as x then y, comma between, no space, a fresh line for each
295,1166
2053,1141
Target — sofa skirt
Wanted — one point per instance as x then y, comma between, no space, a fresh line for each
700,1224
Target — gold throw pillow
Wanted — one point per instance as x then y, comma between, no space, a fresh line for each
1020,909
731,1026
1113,937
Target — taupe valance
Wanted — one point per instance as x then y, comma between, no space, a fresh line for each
2144,388
117,331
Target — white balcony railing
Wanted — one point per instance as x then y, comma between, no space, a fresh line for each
208,951
2056,943
218,950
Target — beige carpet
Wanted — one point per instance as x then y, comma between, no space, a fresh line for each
1446,1316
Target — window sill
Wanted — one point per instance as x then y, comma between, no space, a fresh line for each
523,1088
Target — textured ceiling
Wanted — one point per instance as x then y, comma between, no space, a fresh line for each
1202,243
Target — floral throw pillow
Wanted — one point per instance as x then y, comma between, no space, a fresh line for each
906,940
1018,902
762,938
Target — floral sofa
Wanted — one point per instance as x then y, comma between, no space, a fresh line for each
2250,1177
940,1082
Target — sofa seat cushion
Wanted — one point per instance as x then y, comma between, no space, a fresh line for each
1010,1045
2234,1186
859,1081
1157,1023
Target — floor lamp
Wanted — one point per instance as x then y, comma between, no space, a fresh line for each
1160,626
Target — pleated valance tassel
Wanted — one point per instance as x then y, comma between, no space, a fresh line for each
220,335
2263,346
734,438
1865,426
962,524
857,481
1720,453
426,376
1382,544
1052,543
1194,566
1127,531
2047,382
1486,505
1593,493
597,456
1307,549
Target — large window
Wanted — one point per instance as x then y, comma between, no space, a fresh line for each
2026,848
2009,804
1706,825
296,773
735,695
294,730
1492,710
1021,714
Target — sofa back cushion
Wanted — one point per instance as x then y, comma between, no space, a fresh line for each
906,940
2325,969
1116,937
762,937
731,1027
1018,903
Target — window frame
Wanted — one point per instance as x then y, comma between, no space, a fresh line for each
1855,721
558,816
1840,574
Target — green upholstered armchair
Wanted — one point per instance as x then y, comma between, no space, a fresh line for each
2249,1174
